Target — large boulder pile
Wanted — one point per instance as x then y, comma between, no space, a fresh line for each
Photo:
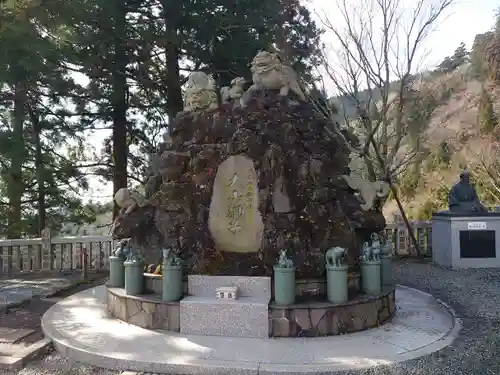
235,185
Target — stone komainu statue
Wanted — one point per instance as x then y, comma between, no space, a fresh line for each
200,92
269,73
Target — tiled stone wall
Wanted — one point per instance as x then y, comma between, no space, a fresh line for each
153,284
324,319
147,311
306,319
317,287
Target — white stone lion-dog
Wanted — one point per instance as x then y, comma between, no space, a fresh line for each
367,191
200,92
234,92
129,199
268,72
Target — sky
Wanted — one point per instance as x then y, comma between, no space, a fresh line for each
461,24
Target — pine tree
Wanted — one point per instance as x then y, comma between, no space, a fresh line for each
136,56
36,179
459,57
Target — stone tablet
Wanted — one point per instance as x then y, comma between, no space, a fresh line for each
234,219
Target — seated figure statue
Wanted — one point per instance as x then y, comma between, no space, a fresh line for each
463,197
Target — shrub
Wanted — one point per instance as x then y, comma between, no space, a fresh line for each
487,118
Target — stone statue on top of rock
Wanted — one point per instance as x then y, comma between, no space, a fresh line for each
200,93
233,93
366,191
135,224
129,200
269,73
463,197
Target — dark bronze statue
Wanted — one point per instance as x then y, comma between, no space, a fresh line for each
463,197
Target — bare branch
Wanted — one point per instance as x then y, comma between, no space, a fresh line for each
373,57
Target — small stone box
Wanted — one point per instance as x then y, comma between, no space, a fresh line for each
227,292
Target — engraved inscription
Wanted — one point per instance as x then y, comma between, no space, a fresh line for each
234,220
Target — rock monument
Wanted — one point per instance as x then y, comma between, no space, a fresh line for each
234,185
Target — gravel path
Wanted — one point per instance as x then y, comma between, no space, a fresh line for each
473,294
475,297
54,364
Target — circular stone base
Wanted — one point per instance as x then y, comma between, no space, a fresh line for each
146,311
312,319
81,330
309,319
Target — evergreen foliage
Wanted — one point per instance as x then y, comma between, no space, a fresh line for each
73,72
487,118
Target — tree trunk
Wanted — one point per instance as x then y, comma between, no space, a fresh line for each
39,170
15,183
396,197
119,105
170,12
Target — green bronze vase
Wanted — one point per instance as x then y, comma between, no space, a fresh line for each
134,277
116,272
172,285
337,283
284,285
370,277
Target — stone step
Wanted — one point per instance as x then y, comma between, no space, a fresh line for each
13,335
244,317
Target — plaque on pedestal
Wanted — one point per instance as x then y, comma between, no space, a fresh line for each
466,240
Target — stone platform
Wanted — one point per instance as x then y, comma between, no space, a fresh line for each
200,313
469,240
81,330
244,317
203,314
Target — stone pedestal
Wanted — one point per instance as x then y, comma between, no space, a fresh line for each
203,314
466,241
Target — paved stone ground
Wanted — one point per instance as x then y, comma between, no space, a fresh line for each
473,294
16,290
28,308
23,302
